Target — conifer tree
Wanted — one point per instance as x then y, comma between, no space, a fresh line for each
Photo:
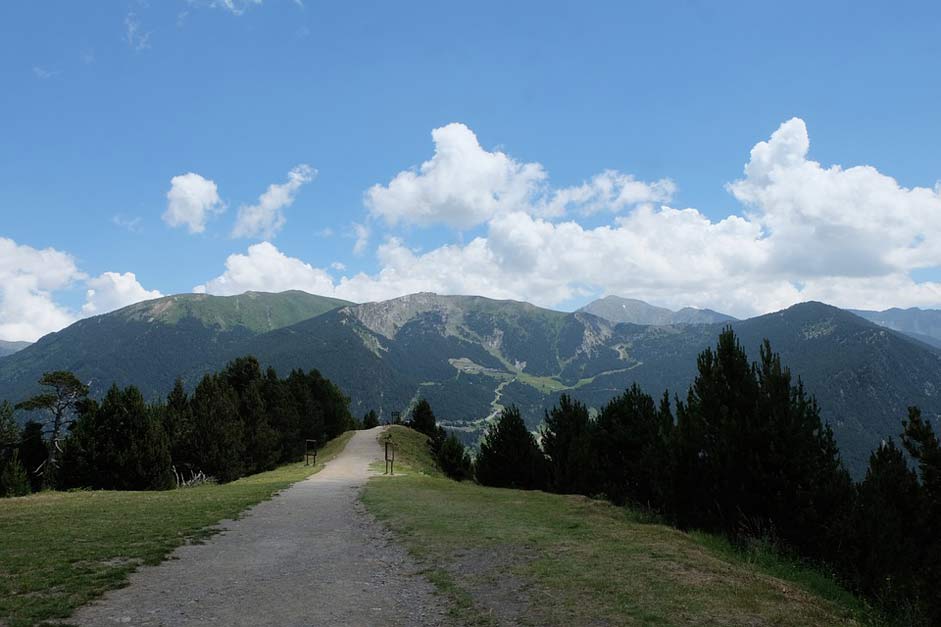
753,456
178,421
33,453
888,531
13,478
631,449
922,444
509,456
454,460
567,442
220,433
422,419
119,444
58,404
370,419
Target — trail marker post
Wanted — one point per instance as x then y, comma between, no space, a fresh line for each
390,456
310,452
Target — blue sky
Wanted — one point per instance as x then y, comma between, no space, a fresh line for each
105,103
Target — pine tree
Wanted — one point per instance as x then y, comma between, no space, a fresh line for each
753,457
120,444
58,403
631,448
10,466
567,442
454,460
422,419
370,419
13,478
220,433
922,444
261,440
33,453
888,531
509,456
178,422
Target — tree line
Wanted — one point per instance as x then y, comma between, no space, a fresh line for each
746,454
236,422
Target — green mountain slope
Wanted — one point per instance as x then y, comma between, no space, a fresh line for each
149,344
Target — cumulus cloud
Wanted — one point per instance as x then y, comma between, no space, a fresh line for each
191,202
264,268
851,237
265,218
28,277
608,191
113,290
854,222
464,185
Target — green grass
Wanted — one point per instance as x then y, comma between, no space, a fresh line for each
60,550
531,557
412,454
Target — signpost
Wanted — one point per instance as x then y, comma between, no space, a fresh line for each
390,456
310,452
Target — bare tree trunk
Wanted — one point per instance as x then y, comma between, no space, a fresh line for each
48,478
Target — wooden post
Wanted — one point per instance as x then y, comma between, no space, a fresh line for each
390,457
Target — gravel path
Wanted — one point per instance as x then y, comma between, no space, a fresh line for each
310,556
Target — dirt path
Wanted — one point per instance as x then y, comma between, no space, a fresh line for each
310,556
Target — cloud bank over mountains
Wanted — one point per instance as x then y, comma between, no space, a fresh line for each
852,237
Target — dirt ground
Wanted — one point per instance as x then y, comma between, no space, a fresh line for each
310,556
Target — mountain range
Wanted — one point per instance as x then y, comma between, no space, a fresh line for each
470,356
8,348
922,324
617,309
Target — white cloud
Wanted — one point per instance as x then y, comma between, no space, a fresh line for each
850,237
362,233
131,224
134,34
28,277
191,201
607,191
266,269
112,290
42,73
463,186
853,222
265,218
236,7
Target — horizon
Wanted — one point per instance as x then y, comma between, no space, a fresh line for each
506,166
557,310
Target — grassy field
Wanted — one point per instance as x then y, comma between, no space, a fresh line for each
60,550
513,557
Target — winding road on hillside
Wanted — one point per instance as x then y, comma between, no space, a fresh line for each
310,556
